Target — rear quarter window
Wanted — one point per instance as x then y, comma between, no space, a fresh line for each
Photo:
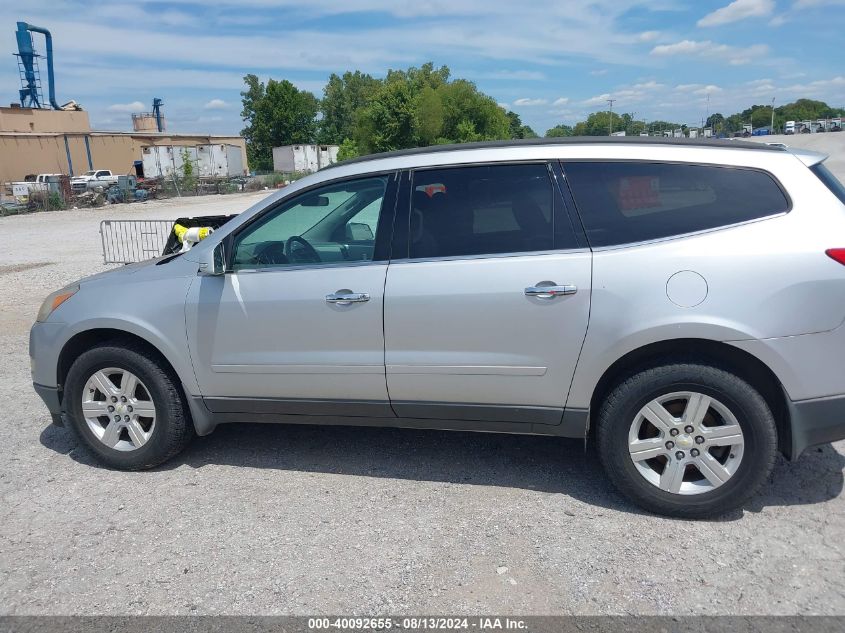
626,202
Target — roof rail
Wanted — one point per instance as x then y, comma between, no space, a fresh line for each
569,140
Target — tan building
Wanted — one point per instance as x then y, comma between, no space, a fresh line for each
34,141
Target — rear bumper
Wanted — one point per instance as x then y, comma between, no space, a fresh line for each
51,398
816,421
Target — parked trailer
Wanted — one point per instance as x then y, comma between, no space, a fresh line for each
303,158
219,161
209,161
162,161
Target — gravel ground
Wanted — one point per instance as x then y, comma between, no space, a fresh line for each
301,520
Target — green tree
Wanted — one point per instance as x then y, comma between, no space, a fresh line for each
348,149
716,122
597,124
734,123
343,97
463,103
423,106
516,127
276,114
805,110
428,116
387,122
189,181
559,131
256,133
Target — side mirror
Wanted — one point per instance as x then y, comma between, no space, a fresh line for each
217,265
359,232
218,259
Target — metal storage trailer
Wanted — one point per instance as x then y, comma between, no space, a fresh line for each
303,158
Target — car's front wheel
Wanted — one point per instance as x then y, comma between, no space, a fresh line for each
126,407
686,439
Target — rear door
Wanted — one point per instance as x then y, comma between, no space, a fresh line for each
487,296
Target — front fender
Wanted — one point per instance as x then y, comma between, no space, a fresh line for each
153,309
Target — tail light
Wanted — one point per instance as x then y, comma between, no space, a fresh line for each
837,254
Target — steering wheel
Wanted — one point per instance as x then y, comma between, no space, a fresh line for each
270,254
304,253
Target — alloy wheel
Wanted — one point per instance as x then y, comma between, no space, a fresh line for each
118,409
686,443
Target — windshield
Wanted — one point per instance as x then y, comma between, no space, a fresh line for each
89,173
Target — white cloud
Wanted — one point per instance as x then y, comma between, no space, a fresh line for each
684,47
530,102
737,10
561,101
779,20
135,106
805,4
503,106
709,89
734,55
597,100
649,85
815,88
216,104
599,72
648,36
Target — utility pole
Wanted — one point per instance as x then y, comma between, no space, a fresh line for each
610,126
772,130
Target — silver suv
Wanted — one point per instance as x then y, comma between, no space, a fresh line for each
682,303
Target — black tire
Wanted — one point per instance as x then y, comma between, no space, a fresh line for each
627,398
173,426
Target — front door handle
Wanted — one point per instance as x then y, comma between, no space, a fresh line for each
347,297
549,290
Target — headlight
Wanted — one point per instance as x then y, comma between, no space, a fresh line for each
54,300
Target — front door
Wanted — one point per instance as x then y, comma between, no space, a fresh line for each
296,326
485,317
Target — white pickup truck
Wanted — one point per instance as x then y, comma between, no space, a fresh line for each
21,190
93,178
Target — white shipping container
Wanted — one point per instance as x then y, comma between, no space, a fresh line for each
158,161
303,158
210,161
219,161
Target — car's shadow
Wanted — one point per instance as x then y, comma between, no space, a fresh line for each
538,463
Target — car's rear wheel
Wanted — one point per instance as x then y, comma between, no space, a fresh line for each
126,407
686,439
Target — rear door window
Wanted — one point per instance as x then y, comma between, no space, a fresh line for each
491,209
626,202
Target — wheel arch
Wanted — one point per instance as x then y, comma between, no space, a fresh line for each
738,361
87,339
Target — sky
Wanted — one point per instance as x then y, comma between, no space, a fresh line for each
551,62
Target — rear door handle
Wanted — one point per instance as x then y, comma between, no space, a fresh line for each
347,297
549,290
